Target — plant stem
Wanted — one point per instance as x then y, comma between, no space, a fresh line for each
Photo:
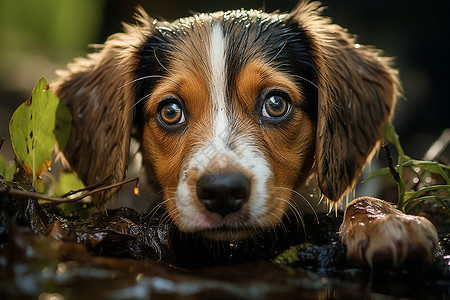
397,176
390,159
88,188
33,195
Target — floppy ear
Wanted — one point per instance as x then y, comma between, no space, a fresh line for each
356,98
99,92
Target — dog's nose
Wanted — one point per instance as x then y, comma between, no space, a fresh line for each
224,193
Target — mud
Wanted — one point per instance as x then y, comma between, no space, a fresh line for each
121,254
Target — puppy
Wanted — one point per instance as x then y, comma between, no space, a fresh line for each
234,110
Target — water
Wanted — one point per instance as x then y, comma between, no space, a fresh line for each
44,256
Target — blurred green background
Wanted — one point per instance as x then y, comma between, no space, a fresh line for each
38,37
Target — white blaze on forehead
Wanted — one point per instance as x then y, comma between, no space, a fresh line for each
246,154
217,60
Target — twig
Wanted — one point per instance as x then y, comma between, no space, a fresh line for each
390,159
2,139
88,188
34,195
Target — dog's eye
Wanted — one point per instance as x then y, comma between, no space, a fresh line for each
171,113
275,106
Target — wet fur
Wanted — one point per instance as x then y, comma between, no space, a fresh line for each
344,94
354,86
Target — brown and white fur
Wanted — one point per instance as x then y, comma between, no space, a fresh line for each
234,110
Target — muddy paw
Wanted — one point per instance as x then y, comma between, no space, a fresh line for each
376,234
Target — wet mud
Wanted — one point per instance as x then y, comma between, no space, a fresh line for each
121,254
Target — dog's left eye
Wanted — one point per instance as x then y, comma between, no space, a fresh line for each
171,113
275,106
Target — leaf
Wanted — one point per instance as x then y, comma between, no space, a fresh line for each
390,134
5,170
430,166
439,200
411,196
67,181
36,126
392,137
378,173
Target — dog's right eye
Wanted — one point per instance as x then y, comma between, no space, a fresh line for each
170,112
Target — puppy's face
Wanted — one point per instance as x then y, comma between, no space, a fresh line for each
234,109
230,124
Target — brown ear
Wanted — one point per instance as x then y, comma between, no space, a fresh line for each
357,94
98,92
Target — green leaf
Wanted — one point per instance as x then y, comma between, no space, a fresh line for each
438,199
36,126
67,181
392,137
412,196
5,170
430,166
390,134
378,173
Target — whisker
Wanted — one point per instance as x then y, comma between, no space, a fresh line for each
273,227
150,201
297,76
139,101
155,210
280,222
302,197
139,79
298,216
167,216
295,209
254,239
284,213
309,81
154,53
278,53
166,219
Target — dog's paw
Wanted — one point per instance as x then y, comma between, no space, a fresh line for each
376,234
